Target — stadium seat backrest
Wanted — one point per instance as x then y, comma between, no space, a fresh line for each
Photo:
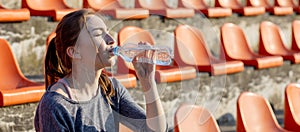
196,118
101,4
292,107
270,38
296,35
151,4
259,3
254,114
228,4
190,47
284,3
195,4
10,73
44,4
234,42
132,34
50,37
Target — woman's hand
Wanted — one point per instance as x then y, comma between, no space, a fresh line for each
144,70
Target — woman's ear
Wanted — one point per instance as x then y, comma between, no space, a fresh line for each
73,53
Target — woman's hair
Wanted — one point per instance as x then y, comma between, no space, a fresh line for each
57,63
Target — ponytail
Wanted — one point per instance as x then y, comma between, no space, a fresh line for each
52,65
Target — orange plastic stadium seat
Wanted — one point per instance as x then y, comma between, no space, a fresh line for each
50,37
292,107
132,34
190,50
159,7
13,15
271,43
127,80
123,128
115,9
288,3
296,35
254,114
201,7
239,8
56,9
236,48
195,118
276,10
15,88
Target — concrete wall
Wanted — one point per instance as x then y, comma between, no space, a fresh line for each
216,93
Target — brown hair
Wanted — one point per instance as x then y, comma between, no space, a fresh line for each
57,63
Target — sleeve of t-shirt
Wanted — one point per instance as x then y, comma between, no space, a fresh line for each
131,114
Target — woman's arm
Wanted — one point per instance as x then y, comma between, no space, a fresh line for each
154,112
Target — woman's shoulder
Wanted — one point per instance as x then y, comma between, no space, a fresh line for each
113,80
58,88
117,85
52,97
120,90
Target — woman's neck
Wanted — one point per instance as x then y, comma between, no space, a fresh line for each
84,84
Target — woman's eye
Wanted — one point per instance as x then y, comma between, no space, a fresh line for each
97,33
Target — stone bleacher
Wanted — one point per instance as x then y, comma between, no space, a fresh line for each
217,93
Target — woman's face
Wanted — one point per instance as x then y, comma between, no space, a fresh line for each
94,43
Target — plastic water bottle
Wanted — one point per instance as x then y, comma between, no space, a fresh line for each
159,55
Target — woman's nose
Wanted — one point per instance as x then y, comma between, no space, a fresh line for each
109,39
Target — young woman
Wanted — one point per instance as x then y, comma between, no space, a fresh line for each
79,95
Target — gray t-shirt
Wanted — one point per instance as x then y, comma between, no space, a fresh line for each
56,112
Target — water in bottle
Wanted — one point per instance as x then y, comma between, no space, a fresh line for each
158,55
